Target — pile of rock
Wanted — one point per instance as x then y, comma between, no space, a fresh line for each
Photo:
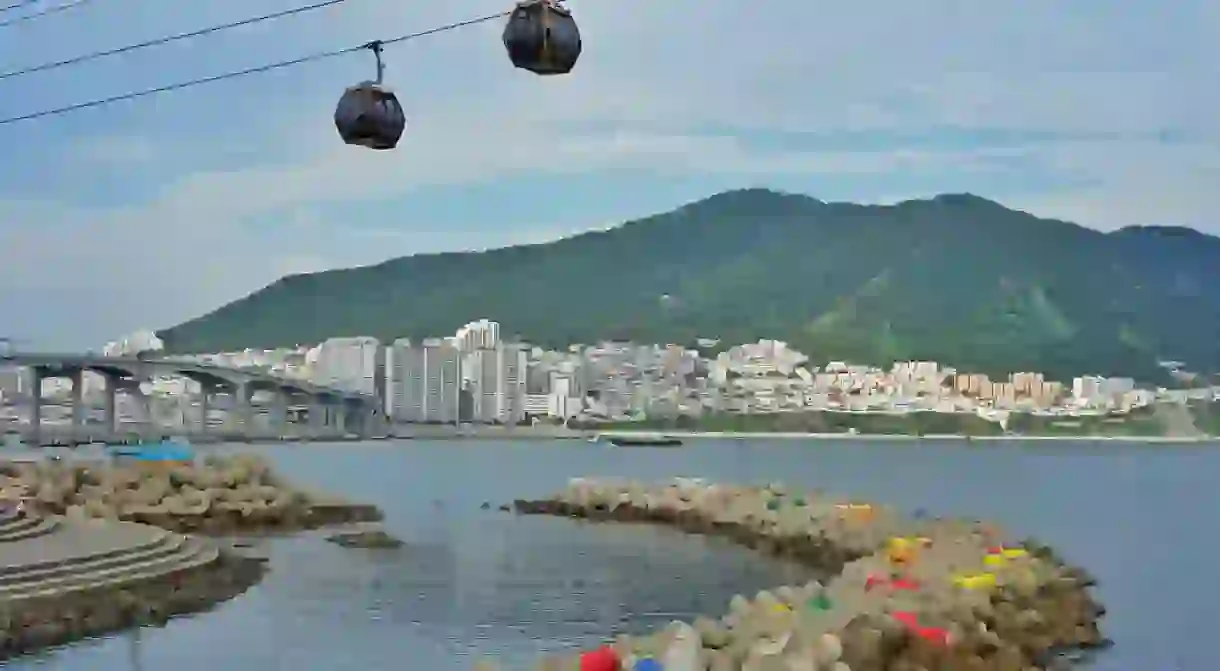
219,495
908,594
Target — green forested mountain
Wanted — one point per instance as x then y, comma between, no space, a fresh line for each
957,278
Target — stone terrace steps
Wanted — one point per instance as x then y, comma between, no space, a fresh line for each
86,555
24,527
11,522
84,546
9,516
164,545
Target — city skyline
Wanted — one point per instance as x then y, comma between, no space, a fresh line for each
476,376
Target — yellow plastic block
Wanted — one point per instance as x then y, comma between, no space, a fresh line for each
975,581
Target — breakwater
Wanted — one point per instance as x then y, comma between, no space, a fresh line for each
216,496
901,592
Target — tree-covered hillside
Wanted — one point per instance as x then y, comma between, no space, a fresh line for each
957,278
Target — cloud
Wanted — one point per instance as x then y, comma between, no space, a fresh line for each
143,214
112,151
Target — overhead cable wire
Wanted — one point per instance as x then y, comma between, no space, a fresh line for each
167,39
268,67
16,5
38,15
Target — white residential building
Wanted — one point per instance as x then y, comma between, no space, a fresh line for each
424,381
12,380
348,363
481,334
136,343
565,399
497,383
516,361
484,369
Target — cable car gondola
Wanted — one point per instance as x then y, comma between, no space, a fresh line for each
368,114
541,36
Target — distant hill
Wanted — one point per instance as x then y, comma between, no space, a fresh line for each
958,279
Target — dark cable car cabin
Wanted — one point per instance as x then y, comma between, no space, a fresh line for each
542,37
368,114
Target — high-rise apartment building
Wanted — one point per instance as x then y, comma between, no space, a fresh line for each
484,370
481,334
424,381
515,367
496,377
350,364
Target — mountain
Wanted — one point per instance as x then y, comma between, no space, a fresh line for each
957,278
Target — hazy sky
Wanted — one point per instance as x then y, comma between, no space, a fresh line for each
145,213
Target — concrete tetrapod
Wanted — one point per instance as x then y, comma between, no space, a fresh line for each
83,578
218,496
907,594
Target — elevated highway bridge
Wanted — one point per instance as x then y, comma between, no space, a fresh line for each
330,409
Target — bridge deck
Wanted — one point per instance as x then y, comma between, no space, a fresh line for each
170,366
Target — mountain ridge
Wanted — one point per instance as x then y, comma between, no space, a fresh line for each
956,278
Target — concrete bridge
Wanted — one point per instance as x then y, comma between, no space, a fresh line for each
330,410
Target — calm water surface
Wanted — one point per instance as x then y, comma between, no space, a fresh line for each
473,582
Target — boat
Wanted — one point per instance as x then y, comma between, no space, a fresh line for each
643,441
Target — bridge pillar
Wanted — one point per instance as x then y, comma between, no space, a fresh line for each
240,412
278,417
36,377
205,406
142,415
318,419
351,419
108,405
78,402
357,415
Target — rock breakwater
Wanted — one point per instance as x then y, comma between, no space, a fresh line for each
217,496
902,593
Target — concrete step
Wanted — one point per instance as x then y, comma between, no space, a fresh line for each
166,544
16,523
62,550
39,526
10,515
193,553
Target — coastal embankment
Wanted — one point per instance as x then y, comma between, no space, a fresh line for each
66,436
901,592
1159,421
788,435
92,547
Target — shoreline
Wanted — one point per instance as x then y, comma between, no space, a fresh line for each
737,435
554,433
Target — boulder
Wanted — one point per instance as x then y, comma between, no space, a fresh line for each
372,539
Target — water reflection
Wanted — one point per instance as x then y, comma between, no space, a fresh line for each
474,581
517,588
133,639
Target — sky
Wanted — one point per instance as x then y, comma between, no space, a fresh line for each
142,214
